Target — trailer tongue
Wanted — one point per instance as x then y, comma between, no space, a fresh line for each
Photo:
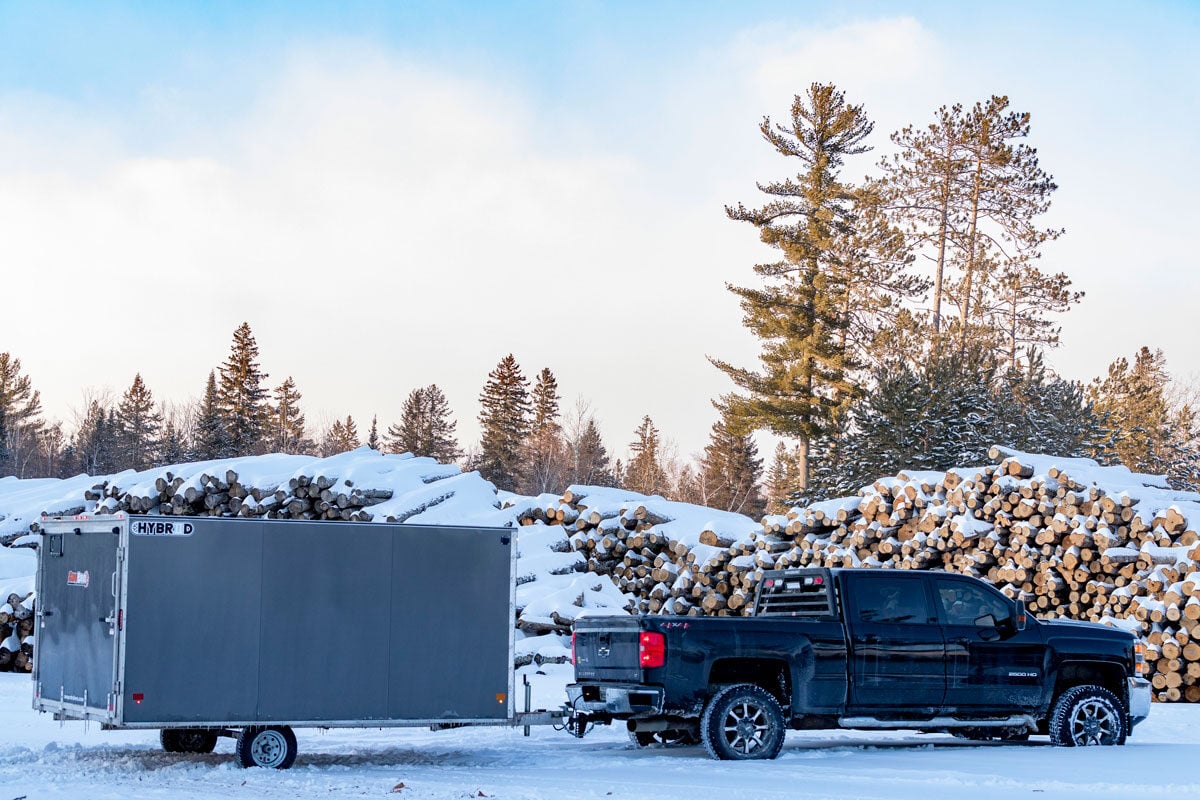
217,626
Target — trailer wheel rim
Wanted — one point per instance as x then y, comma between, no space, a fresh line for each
1093,722
746,726
268,749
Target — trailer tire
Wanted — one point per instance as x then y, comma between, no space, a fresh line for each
270,747
187,740
742,722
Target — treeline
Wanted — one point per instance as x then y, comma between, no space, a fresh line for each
904,322
526,444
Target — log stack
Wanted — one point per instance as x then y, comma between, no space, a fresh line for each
1071,549
16,633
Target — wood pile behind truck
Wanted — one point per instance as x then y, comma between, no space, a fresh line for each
1070,548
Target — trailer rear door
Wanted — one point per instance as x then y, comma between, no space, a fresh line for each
78,587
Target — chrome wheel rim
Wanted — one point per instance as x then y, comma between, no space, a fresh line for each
268,749
746,727
1093,722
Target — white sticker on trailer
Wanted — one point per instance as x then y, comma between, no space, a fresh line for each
154,528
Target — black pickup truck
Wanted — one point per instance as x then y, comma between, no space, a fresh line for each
858,648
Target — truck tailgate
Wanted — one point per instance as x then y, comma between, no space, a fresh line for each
606,649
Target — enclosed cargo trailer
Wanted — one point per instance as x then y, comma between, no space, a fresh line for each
208,626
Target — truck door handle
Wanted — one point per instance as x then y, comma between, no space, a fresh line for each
870,638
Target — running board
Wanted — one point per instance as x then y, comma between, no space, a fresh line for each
1018,721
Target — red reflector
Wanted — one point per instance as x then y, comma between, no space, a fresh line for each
138,697
818,580
120,619
573,660
652,649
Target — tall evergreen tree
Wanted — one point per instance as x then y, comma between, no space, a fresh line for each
781,483
285,433
645,472
1149,435
97,442
590,464
730,471
969,192
139,424
20,423
341,437
426,427
545,460
800,315
505,421
242,399
373,433
210,435
173,449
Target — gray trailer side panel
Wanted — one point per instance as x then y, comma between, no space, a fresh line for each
191,638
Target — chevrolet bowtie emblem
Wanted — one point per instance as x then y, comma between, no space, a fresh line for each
602,652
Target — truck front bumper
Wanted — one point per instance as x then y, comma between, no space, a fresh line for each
615,700
1139,700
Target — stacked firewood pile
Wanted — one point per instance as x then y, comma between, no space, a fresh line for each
302,497
1069,548
16,634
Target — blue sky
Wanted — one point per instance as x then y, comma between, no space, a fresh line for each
542,178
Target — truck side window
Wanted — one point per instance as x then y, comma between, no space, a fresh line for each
892,600
963,603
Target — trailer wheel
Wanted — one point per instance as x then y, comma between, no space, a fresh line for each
187,740
742,722
270,747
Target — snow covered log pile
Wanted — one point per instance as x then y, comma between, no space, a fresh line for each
16,633
1074,539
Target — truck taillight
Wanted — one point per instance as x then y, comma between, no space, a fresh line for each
574,660
652,649
1139,659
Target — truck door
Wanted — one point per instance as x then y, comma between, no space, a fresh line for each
991,664
897,651
78,586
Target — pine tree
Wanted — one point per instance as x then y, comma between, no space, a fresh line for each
373,434
242,399
139,424
590,464
731,470
801,315
341,437
426,427
781,484
1149,435
20,426
285,433
969,191
545,459
174,447
504,418
210,436
97,441
645,473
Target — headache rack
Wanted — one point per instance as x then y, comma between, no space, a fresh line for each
795,593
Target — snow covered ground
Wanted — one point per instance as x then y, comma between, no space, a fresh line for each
41,759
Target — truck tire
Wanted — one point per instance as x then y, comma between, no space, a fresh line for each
1087,715
742,722
187,740
270,747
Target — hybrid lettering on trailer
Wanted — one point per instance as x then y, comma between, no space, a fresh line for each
155,528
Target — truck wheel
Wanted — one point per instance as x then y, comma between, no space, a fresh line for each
1087,715
187,740
271,747
742,722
